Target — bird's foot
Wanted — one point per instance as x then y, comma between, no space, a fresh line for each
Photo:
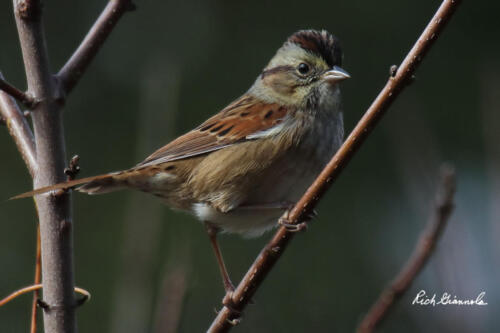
296,227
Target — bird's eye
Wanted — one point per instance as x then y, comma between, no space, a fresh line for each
303,68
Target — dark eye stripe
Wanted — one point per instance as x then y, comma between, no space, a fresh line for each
277,69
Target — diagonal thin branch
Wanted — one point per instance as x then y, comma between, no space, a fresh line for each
424,248
73,70
275,248
21,96
19,129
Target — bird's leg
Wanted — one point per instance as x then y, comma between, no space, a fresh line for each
212,234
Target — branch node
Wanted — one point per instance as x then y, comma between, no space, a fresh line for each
233,322
42,304
393,70
73,169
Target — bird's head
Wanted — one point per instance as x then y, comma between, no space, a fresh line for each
304,72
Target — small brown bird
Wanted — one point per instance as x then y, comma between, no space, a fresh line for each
242,168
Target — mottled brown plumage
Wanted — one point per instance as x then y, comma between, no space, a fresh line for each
240,170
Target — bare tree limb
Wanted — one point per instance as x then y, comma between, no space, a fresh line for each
226,318
19,129
21,96
73,70
44,152
54,212
423,249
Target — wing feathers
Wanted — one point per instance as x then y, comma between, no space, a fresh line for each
238,122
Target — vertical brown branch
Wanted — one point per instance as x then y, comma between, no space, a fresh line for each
54,212
44,152
423,249
275,248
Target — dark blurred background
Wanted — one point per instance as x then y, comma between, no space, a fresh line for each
168,66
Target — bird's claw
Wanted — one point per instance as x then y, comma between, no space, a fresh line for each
296,227
290,227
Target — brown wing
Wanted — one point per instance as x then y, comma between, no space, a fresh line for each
235,123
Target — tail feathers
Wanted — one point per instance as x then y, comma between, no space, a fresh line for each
91,185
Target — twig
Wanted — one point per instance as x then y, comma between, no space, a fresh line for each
73,70
19,129
423,249
38,279
275,248
36,287
16,93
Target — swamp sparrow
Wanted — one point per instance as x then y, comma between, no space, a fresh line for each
242,168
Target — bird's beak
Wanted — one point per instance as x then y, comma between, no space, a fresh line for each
336,74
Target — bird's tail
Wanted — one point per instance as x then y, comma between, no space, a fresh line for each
91,185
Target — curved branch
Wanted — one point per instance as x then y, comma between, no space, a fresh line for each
73,70
36,287
423,249
265,261
19,129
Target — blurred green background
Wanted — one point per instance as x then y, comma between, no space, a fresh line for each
168,66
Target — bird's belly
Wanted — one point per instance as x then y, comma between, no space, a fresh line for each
285,181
